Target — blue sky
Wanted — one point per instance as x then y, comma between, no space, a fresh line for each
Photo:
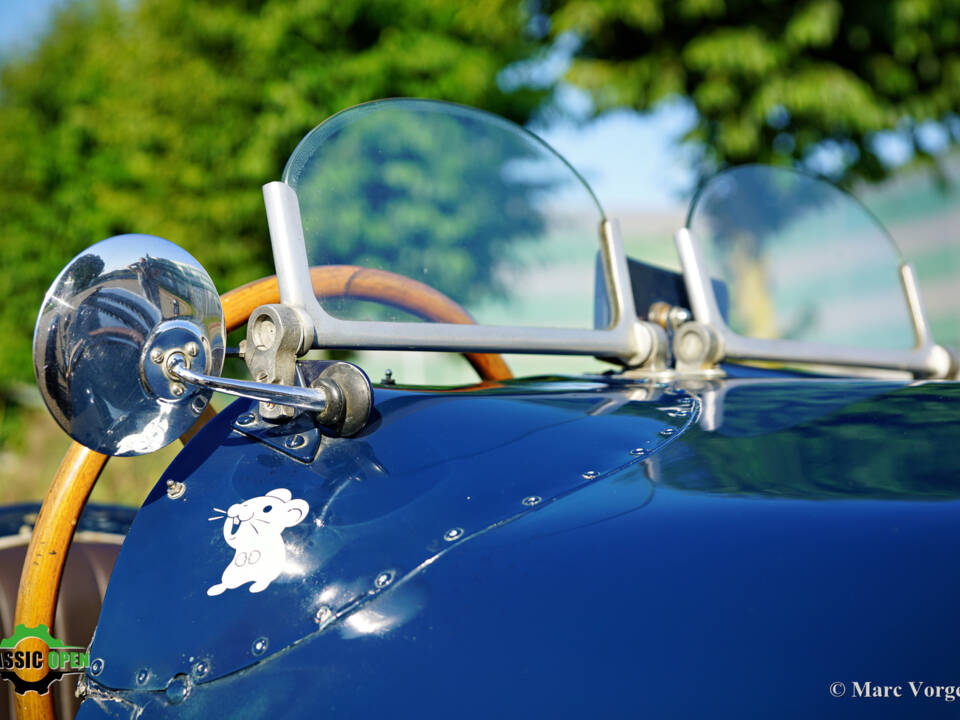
21,21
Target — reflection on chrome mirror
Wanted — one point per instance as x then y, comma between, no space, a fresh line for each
129,345
94,347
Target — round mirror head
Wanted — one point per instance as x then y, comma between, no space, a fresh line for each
95,335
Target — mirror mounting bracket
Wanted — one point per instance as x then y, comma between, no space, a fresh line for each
276,336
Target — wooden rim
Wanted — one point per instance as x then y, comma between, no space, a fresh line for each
78,472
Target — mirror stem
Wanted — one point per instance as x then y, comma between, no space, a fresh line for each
315,399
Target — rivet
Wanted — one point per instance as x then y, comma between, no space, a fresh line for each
295,441
259,646
178,689
638,452
323,614
96,666
384,579
666,432
175,489
453,534
143,676
192,349
531,500
246,419
590,474
200,669
156,355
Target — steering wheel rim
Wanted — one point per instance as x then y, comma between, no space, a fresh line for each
80,468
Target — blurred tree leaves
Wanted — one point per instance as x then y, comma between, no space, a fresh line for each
773,79
167,116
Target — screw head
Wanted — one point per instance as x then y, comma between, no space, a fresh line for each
453,534
323,614
531,500
384,579
175,489
200,668
295,441
638,452
96,666
177,389
590,475
192,349
259,646
246,419
156,355
198,404
143,676
666,432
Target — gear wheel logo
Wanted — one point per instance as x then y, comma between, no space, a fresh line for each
22,632
58,660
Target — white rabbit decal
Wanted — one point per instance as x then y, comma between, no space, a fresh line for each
253,528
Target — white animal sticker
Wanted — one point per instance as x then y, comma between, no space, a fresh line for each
253,528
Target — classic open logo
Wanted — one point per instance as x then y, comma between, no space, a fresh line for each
32,659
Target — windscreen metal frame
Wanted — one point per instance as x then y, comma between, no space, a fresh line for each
627,339
926,358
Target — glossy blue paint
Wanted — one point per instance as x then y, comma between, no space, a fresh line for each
798,533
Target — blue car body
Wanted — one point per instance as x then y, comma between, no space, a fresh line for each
768,545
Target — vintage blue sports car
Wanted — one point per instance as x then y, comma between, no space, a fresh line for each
725,485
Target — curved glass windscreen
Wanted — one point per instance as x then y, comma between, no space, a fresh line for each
461,200
801,260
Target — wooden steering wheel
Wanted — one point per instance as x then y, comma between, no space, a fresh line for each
80,468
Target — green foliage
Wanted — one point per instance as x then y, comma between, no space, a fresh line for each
770,80
168,116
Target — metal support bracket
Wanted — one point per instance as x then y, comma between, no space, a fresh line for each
276,336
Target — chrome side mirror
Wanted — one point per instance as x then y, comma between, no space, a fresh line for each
96,338
129,346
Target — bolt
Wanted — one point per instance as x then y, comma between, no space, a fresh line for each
384,579
295,441
531,500
156,355
175,489
453,534
323,614
192,349
259,646
96,666
590,474
246,419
